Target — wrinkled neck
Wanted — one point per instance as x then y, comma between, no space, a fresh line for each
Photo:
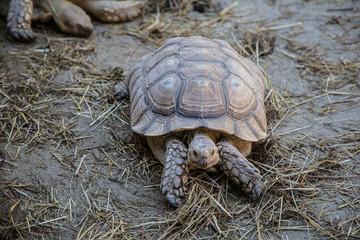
199,134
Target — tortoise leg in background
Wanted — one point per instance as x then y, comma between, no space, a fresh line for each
240,170
19,20
176,170
40,16
69,17
112,11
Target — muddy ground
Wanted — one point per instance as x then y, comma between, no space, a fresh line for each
70,168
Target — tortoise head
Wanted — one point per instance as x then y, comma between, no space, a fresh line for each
72,19
202,152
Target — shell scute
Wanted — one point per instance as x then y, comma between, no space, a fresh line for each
158,126
242,105
194,41
162,96
165,66
205,54
138,109
201,99
167,51
210,70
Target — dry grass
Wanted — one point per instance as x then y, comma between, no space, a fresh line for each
303,174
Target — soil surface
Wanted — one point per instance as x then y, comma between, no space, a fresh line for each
71,168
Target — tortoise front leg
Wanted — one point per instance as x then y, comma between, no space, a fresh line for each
19,20
240,170
176,170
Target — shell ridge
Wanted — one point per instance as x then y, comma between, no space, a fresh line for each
195,46
201,61
223,83
244,82
137,101
226,94
203,123
179,91
259,123
257,118
235,74
140,117
161,59
201,106
167,44
129,78
240,62
159,79
220,43
146,127
236,130
252,129
167,124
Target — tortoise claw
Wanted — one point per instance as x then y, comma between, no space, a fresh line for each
21,35
175,201
254,189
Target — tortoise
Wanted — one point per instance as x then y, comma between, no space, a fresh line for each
199,105
70,16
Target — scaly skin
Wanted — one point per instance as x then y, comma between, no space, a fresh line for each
112,11
19,20
240,170
176,170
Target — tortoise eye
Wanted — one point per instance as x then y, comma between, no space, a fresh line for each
195,153
212,152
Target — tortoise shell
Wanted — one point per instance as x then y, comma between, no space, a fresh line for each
197,82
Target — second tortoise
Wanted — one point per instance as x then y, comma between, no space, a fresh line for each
200,105
71,16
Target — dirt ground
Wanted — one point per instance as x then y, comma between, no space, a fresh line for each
70,167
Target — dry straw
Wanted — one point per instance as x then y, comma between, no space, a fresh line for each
301,173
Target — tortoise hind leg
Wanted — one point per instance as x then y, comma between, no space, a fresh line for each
40,16
19,20
112,11
176,170
240,170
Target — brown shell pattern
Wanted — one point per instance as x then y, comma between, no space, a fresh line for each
197,82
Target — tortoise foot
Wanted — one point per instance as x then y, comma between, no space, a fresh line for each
113,11
176,170
19,20
240,170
